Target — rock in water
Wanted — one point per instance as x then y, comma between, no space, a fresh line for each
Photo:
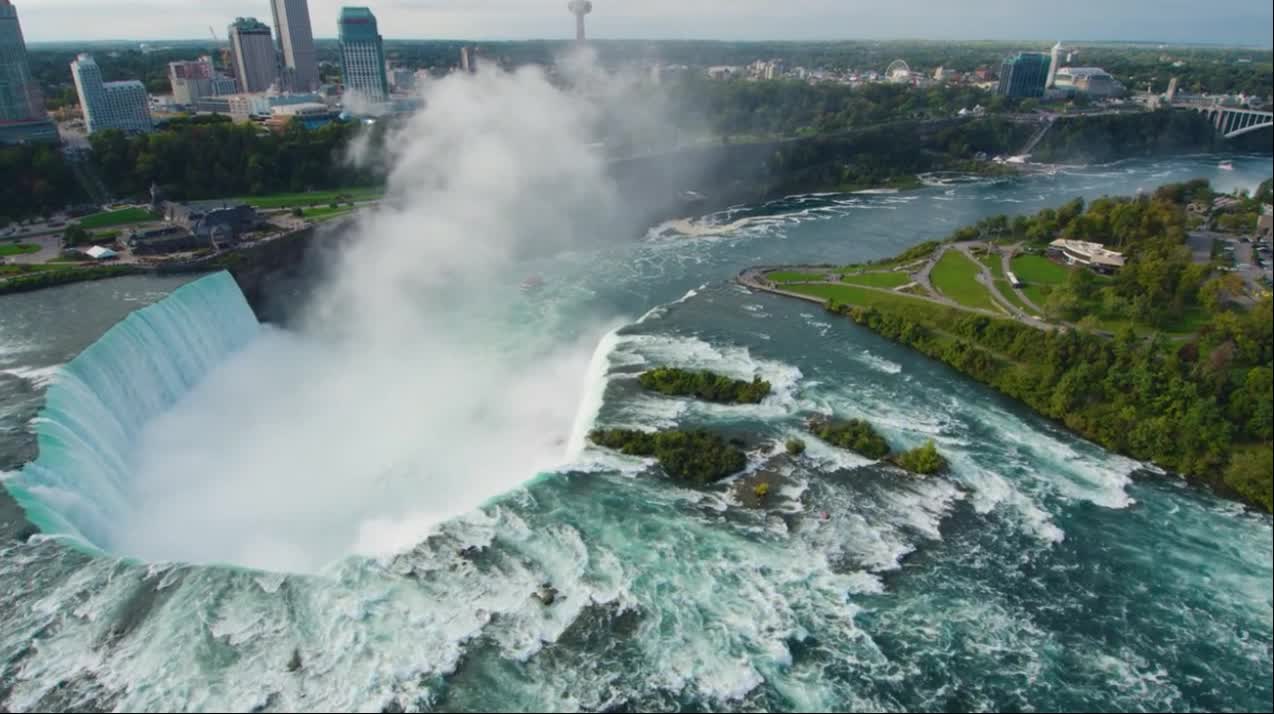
294,664
547,594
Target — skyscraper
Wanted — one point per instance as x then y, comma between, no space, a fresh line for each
299,60
110,105
252,51
362,55
22,115
1055,61
1024,75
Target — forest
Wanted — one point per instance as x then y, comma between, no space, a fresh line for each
210,157
1202,406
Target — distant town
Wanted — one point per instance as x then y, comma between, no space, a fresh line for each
275,78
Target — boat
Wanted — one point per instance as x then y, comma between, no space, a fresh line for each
1226,166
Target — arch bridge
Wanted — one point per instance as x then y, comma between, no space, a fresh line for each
1233,121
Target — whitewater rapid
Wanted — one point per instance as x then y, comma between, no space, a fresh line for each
1043,574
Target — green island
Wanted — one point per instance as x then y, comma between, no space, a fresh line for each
855,434
704,385
924,460
696,456
1169,359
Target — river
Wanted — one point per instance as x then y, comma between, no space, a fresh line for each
1044,573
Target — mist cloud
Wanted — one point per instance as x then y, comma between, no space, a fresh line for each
418,386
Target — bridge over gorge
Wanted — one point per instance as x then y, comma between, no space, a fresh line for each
1234,121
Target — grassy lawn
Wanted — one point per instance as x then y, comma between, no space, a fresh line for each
1036,269
860,296
313,198
18,249
326,213
1010,294
956,277
1036,293
794,277
117,218
994,264
879,280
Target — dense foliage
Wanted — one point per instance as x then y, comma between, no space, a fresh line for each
1161,286
37,182
1100,139
210,158
783,108
855,434
1202,406
924,460
38,279
704,385
697,456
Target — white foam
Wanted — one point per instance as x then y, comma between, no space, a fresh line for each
36,376
876,362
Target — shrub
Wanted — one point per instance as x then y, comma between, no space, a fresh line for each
855,435
697,456
922,460
704,385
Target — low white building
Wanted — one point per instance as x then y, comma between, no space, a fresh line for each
1092,81
1093,255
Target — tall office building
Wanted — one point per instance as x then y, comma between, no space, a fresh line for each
252,52
1024,75
298,59
22,115
110,105
362,55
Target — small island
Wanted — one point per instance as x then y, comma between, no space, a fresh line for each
697,456
923,460
855,434
705,385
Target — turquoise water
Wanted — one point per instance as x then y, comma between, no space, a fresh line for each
1043,574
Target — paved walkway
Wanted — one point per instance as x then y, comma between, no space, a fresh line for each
755,278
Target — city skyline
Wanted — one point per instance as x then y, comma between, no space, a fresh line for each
1229,22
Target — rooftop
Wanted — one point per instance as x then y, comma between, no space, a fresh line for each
1093,252
1084,72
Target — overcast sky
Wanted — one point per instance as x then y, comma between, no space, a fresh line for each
1216,21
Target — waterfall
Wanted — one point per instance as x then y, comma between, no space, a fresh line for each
98,404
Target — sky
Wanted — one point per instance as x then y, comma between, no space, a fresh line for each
1241,22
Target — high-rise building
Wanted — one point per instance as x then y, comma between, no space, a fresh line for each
256,64
297,57
22,115
362,55
1054,63
191,81
1024,75
110,105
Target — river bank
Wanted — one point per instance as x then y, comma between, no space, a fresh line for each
1132,392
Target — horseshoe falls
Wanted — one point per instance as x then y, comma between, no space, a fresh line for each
96,409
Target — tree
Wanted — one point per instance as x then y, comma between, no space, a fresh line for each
75,235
